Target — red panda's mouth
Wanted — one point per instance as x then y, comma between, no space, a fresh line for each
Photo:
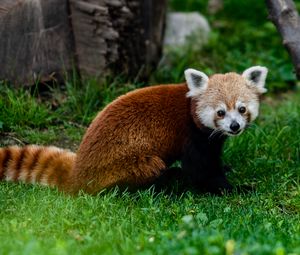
235,133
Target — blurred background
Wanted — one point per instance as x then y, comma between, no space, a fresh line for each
140,41
68,59
241,35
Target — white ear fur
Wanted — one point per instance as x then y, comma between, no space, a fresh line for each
257,76
196,81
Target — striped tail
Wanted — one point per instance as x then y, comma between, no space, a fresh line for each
36,164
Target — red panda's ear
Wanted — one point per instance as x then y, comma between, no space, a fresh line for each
196,81
257,76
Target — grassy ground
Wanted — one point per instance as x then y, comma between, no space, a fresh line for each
38,220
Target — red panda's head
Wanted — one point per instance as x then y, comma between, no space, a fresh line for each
226,102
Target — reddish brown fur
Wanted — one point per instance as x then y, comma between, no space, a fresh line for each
133,139
227,88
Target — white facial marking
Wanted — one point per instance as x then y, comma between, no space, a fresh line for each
207,116
253,108
222,107
239,104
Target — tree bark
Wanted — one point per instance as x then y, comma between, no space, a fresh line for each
35,40
125,36
45,39
284,15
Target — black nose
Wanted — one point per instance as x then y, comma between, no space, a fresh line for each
234,126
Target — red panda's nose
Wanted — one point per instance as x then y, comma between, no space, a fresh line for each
234,126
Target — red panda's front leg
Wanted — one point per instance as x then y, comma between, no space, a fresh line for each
202,166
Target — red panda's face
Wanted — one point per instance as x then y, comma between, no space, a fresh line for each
226,103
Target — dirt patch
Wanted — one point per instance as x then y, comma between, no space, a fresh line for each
9,139
66,142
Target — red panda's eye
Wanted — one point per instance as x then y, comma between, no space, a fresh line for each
221,113
242,109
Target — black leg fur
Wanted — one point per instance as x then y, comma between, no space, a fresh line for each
169,179
202,164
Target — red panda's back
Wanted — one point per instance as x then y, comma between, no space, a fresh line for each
148,124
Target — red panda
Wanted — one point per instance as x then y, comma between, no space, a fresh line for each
135,139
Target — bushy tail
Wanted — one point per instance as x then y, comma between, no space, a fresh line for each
36,164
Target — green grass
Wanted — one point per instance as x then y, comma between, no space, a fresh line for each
59,116
35,221
39,220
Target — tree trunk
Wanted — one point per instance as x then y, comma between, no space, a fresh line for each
44,39
284,15
35,40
